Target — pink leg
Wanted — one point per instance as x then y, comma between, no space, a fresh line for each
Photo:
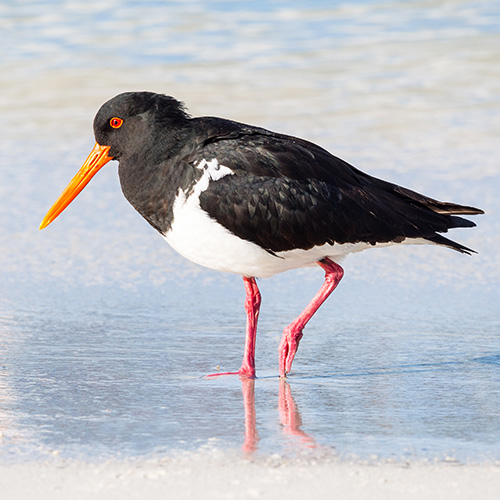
252,306
293,332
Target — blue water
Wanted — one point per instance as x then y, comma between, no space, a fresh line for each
105,333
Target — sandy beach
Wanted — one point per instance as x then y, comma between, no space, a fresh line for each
214,477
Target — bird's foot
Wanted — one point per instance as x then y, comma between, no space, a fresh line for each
244,373
288,348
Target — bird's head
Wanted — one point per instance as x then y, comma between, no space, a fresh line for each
130,123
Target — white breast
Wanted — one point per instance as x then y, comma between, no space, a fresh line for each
204,241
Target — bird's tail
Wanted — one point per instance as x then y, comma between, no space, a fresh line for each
441,207
451,211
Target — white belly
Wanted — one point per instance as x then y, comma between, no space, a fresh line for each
202,240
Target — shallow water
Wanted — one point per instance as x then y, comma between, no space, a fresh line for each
105,333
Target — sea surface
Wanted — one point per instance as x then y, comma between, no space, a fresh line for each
106,334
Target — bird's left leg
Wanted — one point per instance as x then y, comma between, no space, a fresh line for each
293,332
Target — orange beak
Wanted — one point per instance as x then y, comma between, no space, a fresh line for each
94,162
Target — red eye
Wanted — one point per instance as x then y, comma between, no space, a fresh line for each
116,122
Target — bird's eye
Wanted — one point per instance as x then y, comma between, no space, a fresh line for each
116,122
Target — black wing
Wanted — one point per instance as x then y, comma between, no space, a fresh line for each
288,193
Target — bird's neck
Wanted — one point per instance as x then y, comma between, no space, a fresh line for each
151,181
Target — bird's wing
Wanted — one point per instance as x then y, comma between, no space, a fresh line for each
287,193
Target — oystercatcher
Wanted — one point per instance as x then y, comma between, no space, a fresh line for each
245,200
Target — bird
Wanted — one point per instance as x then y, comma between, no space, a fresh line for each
242,199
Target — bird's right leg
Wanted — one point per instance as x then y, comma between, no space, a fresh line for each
252,306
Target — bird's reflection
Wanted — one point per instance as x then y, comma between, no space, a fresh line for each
290,418
291,421
251,434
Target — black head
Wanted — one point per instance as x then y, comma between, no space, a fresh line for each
139,125
135,122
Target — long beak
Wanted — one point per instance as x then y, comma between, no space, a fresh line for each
94,162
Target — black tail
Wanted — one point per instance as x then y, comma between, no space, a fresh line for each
452,210
441,240
440,207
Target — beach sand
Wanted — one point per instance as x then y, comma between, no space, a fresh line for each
211,477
